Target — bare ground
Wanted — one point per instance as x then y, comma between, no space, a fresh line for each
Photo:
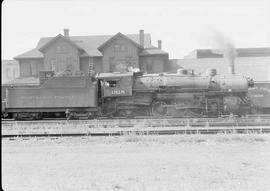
180,162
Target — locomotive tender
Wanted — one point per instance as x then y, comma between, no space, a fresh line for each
129,94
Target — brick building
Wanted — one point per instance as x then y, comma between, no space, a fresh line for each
106,53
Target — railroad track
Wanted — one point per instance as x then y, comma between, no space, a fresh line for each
147,132
222,118
249,118
116,127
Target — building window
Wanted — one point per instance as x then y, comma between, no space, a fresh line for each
123,48
116,48
149,67
120,48
15,73
53,65
112,67
111,64
33,66
61,49
8,73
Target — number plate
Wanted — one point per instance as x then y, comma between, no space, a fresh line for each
118,92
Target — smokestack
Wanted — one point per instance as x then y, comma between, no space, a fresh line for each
231,68
159,44
230,54
142,38
66,32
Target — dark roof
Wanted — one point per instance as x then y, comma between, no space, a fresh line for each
34,53
208,53
253,52
89,44
8,62
241,52
114,37
56,38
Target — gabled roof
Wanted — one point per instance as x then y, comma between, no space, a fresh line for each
89,44
9,62
100,48
34,53
44,46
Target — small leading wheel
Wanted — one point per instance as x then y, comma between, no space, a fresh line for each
159,109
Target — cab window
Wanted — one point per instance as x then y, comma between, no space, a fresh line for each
109,83
112,84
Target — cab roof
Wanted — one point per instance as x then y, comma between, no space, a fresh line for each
113,75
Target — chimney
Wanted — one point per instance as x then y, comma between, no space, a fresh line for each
159,44
142,38
66,32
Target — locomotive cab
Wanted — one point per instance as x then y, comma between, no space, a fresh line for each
115,84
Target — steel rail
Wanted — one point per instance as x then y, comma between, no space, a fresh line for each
51,120
240,130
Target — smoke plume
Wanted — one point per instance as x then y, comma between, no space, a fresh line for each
226,47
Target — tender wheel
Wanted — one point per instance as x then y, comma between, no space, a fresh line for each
159,109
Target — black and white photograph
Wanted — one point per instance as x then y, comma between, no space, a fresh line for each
133,95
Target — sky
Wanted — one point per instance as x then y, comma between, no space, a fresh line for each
182,25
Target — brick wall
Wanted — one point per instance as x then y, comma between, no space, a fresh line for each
61,56
153,63
119,54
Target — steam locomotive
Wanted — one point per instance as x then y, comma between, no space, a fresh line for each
130,94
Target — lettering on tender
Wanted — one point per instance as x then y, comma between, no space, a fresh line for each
46,97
